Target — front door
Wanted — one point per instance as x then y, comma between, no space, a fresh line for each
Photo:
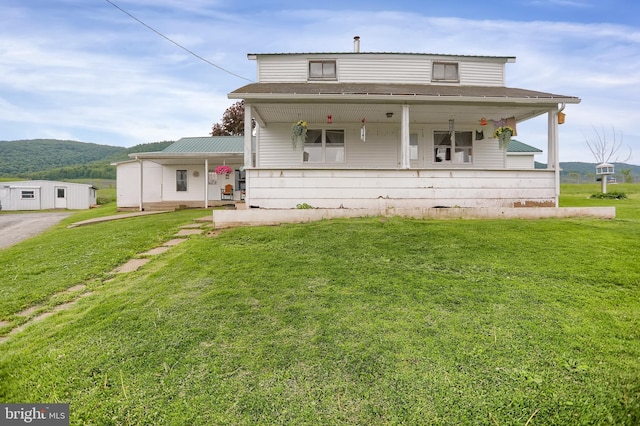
60,197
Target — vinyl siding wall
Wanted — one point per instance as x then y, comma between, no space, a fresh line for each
377,69
380,150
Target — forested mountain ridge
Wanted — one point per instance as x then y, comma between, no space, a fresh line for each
64,159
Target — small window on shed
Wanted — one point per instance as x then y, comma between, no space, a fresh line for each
445,71
322,70
27,195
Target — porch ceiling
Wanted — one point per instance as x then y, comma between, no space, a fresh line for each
377,113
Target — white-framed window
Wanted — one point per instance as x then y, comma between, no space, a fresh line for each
445,71
324,146
181,180
452,147
413,147
322,70
27,194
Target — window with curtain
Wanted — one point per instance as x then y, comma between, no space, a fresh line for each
452,147
324,146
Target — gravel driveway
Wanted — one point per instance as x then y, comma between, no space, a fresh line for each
17,227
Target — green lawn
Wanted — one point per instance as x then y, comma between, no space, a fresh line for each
368,321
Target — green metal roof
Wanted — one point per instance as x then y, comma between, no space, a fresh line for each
517,146
208,145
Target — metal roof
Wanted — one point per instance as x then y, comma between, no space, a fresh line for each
517,146
435,55
208,145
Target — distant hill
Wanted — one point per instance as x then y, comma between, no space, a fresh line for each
63,159
578,172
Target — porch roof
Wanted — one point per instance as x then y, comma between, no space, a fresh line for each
209,144
400,92
194,150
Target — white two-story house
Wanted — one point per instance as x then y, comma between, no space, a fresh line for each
390,130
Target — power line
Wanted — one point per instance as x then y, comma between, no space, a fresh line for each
176,43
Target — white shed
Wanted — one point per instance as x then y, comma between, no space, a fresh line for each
45,194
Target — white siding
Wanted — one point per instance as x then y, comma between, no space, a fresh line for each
520,161
399,69
195,184
403,70
282,69
78,196
380,150
400,188
481,74
128,183
487,154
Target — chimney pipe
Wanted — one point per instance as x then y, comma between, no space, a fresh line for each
356,44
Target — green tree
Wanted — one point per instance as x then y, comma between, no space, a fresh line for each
626,175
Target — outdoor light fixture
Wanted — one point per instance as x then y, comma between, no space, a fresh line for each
389,114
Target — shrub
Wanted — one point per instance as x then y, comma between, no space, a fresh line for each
610,195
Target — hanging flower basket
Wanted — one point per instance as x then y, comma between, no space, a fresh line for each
503,134
223,170
298,131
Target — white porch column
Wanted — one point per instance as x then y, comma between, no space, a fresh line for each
206,183
140,207
553,156
247,136
248,157
405,148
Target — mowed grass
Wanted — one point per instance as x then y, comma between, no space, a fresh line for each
368,321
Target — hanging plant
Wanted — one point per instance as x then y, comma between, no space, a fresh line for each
223,170
298,131
503,134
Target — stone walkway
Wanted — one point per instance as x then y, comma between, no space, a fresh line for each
39,312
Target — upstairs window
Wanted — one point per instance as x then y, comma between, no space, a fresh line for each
445,71
322,70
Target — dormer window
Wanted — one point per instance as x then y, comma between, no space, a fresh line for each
445,71
322,70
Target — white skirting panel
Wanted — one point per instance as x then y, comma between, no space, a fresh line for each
286,188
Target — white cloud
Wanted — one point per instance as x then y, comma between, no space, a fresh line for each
95,74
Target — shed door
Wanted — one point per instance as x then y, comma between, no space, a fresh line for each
60,197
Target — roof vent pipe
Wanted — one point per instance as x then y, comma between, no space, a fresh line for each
356,44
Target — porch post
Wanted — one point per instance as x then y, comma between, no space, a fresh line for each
553,156
140,206
248,157
206,183
404,138
247,136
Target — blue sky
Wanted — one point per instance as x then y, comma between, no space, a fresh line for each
83,70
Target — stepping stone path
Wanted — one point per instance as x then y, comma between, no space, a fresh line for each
131,266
